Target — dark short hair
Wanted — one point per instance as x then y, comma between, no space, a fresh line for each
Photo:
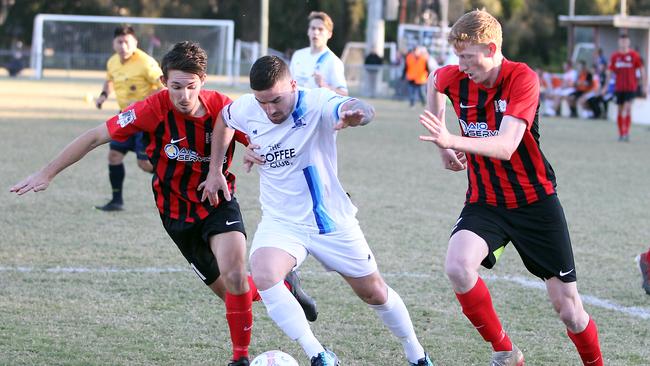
266,71
123,30
186,56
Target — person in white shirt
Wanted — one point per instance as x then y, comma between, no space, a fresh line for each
317,66
305,210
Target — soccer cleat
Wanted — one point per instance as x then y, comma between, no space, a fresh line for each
644,266
327,358
243,361
306,302
424,361
111,206
508,358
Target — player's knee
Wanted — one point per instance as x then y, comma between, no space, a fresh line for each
236,281
457,271
115,157
374,293
568,312
145,165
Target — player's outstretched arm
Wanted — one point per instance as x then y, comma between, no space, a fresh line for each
354,113
72,153
215,181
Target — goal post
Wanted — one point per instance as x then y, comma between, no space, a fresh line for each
85,41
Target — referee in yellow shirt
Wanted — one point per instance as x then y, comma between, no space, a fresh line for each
133,75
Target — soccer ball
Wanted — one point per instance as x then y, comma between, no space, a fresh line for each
274,358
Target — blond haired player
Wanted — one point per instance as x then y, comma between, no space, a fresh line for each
317,66
511,194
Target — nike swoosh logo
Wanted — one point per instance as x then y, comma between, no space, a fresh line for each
466,106
562,274
179,140
248,328
228,223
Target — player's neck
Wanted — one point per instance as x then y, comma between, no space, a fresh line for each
317,49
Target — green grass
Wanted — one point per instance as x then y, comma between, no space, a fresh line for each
407,205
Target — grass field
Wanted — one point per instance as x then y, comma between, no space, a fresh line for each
83,287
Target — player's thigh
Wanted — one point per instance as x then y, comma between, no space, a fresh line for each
478,238
224,230
540,233
277,247
344,251
188,238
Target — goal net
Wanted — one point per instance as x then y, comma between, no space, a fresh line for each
81,42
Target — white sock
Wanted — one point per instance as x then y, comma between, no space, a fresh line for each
285,311
395,316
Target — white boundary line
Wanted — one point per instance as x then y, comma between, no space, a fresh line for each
633,311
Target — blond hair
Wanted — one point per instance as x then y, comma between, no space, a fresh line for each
327,21
475,27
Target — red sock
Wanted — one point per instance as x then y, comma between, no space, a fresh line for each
619,123
255,296
587,344
239,314
477,307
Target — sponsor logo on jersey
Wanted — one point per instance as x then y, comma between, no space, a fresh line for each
299,122
500,105
476,129
184,154
125,118
278,157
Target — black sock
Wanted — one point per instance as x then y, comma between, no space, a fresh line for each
116,176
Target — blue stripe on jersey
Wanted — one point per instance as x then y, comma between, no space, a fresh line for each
336,108
321,59
299,112
324,222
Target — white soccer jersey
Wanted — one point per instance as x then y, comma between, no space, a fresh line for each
298,181
304,64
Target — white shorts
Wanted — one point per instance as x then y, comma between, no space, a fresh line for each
344,251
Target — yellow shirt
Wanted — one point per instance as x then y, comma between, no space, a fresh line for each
135,79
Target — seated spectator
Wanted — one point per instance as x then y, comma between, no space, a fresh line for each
584,84
562,93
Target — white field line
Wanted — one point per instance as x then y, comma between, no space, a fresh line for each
633,311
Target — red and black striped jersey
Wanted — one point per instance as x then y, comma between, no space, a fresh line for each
525,178
178,148
624,66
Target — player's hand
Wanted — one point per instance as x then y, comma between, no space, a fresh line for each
36,182
453,160
214,182
251,157
351,118
99,101
439,134
319,80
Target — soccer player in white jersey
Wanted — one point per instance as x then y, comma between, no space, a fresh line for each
317,66
305,209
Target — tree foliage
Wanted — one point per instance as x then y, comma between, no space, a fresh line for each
531,28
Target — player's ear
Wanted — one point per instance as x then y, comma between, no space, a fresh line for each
492,47
294,85
163,80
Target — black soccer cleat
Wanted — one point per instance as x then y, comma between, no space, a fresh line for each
243,361
307,303
111,206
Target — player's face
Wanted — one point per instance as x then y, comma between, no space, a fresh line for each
125,46
318,34
624,43
476,60
279,101
184,88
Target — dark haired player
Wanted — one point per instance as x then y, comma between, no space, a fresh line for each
133,75
179,122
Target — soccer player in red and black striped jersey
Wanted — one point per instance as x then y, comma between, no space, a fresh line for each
511,195
624,65
179,122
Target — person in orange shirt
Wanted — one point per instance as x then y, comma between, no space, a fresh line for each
584,84
416,72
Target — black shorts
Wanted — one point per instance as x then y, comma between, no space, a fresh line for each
538,231
136,143
622,97
192,237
